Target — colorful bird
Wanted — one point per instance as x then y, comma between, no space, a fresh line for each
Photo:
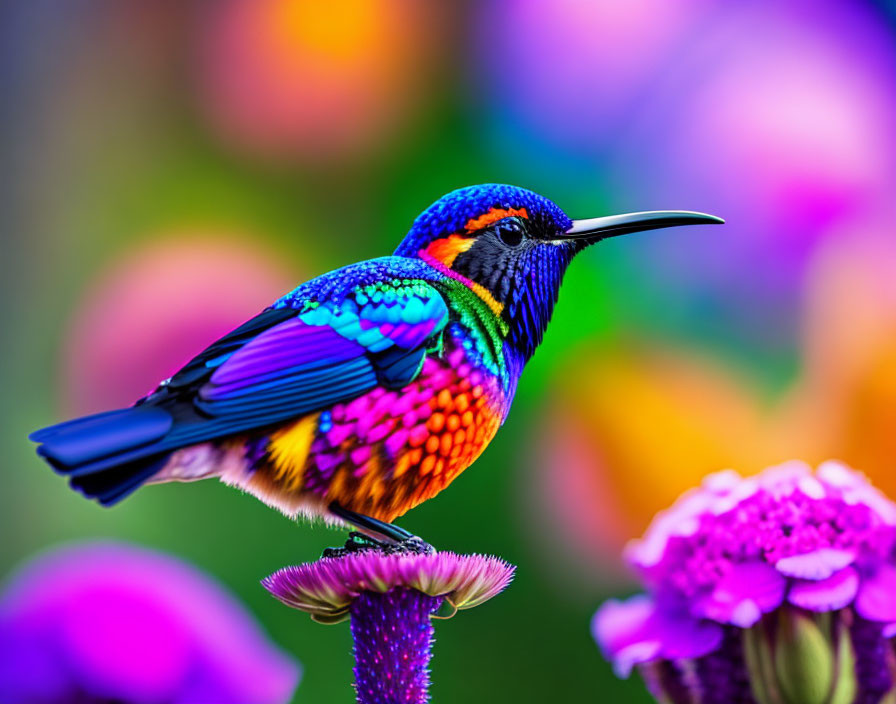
367,390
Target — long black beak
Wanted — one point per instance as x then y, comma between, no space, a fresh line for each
595,229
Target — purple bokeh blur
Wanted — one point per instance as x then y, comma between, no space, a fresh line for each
779,117
102,622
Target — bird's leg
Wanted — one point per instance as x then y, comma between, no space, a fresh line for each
396,539
367,524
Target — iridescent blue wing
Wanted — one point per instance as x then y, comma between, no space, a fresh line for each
328,353
291,369
282,364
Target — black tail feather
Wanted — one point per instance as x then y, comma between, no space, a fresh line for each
109,486
108,455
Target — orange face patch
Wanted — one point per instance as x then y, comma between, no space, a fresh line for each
446,249
494,215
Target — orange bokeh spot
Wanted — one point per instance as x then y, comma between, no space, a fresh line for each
336,32
628,432
287,78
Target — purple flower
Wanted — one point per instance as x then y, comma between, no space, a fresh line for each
106,622
390,599
749,580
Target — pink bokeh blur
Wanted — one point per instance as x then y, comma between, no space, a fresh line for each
156,306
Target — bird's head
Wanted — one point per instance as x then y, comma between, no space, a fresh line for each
512,247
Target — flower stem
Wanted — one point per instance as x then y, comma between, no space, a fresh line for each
393,637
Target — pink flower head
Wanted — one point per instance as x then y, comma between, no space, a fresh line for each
113,622
391,598
327,588
725,555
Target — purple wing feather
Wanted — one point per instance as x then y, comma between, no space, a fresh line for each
290,348
325,356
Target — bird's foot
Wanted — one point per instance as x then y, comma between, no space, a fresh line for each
358,542
414,545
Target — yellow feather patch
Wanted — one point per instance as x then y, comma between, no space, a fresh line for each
289,449
487,297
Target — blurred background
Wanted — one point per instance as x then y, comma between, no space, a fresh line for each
169,168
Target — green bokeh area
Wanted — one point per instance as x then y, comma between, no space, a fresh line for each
98,164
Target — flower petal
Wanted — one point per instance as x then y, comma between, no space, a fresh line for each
876,600
638,631
829,594
818,564
782,480
635,654
744,594
685,637
618,624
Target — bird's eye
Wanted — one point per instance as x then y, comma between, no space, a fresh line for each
510,231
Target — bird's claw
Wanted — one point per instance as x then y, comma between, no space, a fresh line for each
359,542
414,545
